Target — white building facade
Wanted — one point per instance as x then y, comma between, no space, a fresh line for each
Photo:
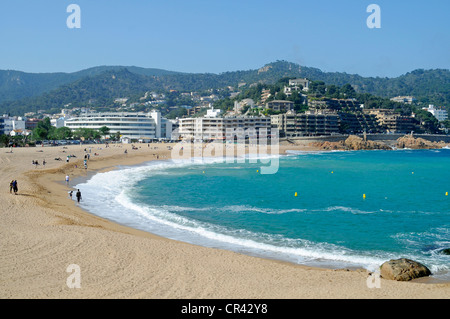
204,128
59,122
440,114
129,125
13,124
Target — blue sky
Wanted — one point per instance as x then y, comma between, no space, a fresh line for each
218,36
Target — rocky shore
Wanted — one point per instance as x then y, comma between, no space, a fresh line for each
355,143
409,141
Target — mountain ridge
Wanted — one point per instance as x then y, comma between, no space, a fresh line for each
43,90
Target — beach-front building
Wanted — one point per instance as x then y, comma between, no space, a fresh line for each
393,122
131,125
221,128
293,124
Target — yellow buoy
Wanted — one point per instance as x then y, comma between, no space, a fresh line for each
331,172
257,171
446,193
295,194
364,196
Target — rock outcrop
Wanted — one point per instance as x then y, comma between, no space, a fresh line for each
329,146
356,143
409,141
353,142
403,270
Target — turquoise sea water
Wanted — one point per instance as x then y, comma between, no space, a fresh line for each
405,212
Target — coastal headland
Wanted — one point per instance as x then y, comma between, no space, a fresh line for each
43,232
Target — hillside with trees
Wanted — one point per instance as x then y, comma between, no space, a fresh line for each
98,87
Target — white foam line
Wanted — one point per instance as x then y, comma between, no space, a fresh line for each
203,230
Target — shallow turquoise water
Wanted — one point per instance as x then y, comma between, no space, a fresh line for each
405,212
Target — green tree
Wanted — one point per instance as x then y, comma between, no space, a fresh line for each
280,96
104,130
4,139
63,133
430,123
179,112
348,91
86,134
116,136
44,130
446,123
39,134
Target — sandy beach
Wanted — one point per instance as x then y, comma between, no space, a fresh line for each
42,232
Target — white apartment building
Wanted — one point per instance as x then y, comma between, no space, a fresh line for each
297,82
404,99
204,128
58,122
440,114
137,125
12,124
213,112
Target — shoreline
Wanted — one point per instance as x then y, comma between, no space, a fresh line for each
327,264
114,259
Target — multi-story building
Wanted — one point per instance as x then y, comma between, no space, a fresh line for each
393,122
293,124
297,82
30,124
358,122
193,110
129,125
440,114
265,94
57,122
220,128
213,112
404,99
323,104
280,105
13,123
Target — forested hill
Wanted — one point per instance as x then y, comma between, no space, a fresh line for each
15,85
23,92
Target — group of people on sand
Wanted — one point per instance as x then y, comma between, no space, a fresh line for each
13,187
77,194
36,163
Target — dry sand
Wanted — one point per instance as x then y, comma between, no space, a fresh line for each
42,232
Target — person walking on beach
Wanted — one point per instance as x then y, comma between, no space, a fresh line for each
11,186
67,179
70,194
15,187
78,196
